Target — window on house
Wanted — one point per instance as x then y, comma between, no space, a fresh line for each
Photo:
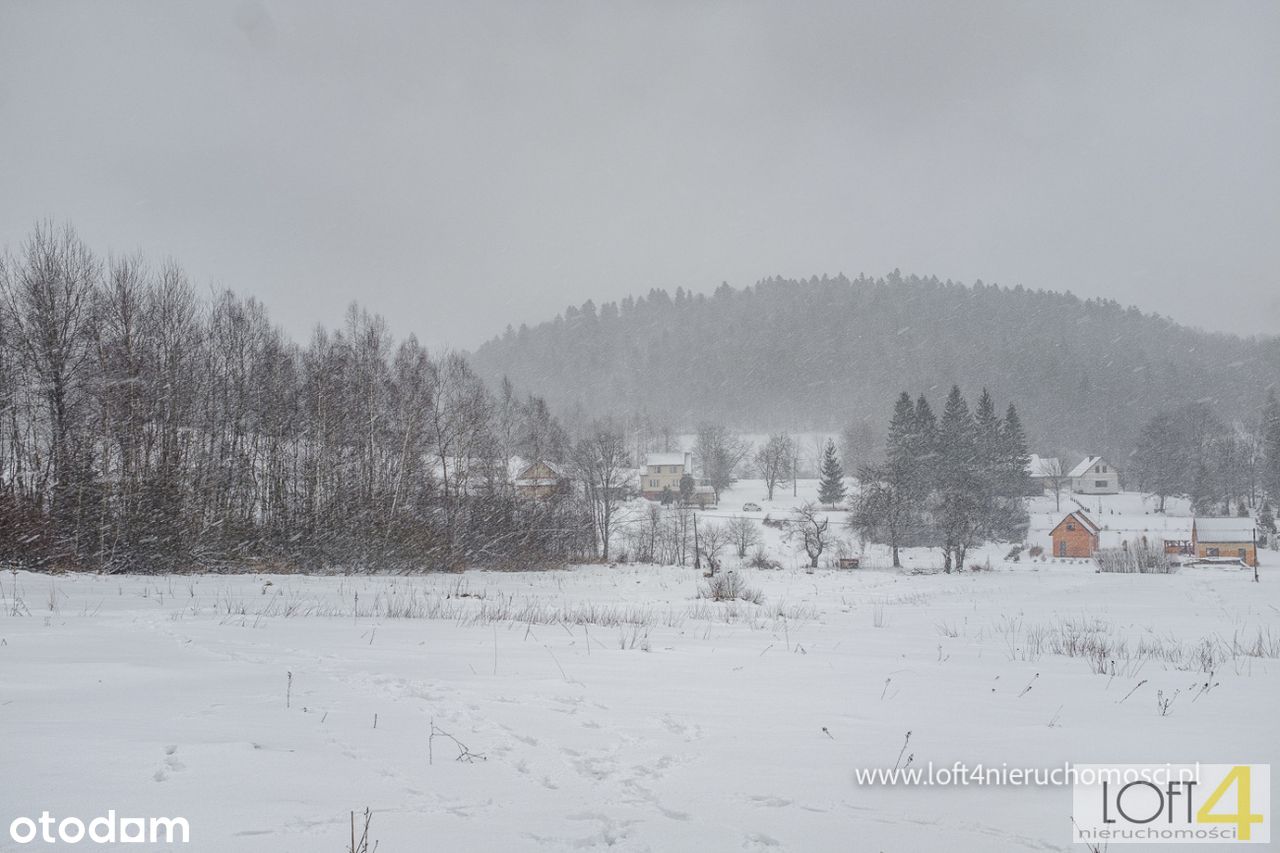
1071,527
1243,553
1062,549
1101,484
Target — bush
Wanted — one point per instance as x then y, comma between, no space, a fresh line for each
1035,551
729,586
760,560
1142,558
1015,554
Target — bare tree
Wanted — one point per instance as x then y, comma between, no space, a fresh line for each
141,426
718,453
1055,477
885,510
775,461
744,534
712,539
48,298
601,463
812,528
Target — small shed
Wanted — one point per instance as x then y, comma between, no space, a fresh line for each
1075,536
703,496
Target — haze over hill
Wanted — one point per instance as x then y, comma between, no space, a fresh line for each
820,353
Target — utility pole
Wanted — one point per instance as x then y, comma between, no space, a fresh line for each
697,553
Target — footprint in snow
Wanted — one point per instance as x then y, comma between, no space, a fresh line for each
170,764
760,841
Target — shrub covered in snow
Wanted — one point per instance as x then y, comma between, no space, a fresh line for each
1140,558
729,586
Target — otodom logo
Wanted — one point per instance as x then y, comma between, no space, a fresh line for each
1188,803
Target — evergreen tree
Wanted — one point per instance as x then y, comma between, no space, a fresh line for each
959,499
1014,457
924,449
1007,513
901,445
887,508
1267,519
831,487
1157,462
987,427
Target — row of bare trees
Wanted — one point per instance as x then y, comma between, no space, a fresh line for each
144,426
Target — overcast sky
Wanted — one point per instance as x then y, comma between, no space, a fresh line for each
457,167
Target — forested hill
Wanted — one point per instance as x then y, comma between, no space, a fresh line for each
821,353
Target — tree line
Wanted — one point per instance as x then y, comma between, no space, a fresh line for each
144,426
1221,467
772,356
949,482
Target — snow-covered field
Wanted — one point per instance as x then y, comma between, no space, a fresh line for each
611,707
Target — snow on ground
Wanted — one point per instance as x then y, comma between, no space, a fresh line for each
615,709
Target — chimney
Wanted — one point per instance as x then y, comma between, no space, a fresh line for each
688,462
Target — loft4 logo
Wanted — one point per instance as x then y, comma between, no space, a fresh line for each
1171,803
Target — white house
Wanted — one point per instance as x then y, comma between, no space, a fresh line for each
1042,470
1095,476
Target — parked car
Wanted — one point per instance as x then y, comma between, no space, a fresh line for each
750,507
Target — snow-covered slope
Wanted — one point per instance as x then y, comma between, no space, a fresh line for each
613,708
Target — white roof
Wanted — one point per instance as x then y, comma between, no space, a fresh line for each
1225,529
1083,468
654,459
1042,466
527,467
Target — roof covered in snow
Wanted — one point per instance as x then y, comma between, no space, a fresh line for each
1043,466
655,459
1225,529
1085,521
1083,468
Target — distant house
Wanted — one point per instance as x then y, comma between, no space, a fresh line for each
1095,476
1075,536
662,473
542,479
1235,538
1042,471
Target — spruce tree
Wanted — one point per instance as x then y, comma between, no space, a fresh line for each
831,487
1267,519
924,449
987,433
959,501
1014,457
901,444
